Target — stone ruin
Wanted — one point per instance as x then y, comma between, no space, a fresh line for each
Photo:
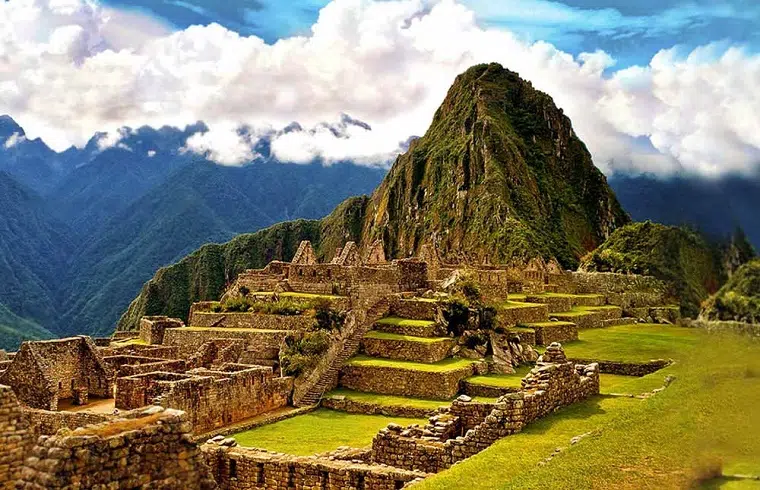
171,383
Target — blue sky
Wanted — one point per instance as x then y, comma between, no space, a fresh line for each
632,32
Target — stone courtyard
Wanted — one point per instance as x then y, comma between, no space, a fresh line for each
476,349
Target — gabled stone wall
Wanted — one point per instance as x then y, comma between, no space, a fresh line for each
16,440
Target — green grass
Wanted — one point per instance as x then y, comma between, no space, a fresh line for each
548,324
438,367
632,343
318,432
406,338
632,385
519,304
517,297
567,295
388,400
502,380
404,322
708,416
135,341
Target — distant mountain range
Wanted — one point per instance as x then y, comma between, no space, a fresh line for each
82,230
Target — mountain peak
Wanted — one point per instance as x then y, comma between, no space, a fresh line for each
9,127
500,175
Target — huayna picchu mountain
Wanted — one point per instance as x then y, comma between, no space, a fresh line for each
499,175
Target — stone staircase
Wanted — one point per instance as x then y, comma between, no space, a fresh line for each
328,378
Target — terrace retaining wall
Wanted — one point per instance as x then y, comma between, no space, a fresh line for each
405,382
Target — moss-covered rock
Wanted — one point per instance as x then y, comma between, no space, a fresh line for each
739,299
683,259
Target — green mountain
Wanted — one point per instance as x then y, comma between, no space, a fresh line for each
14,330
203,275
682,258
739,298
499,175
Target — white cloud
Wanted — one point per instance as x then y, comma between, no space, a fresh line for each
14,140
223,144
68,70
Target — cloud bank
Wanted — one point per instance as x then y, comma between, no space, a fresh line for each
68,70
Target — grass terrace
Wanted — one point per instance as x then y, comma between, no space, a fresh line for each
502,380
128,342
318,432
407,338
404,322
519,304
632,343
451,364
703,424
388,400
632,385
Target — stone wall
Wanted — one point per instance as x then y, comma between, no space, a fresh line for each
249,469
627,368
551,332
415,309
143,450
554,382
624,290
15,438
511,317
428,352
130,365
259,344
251,320
211,398
44,422
748,329
152,328
344,404
404,382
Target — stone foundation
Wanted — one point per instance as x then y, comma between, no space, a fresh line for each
404,382
250,469
254,321
406,350
259,344
415,309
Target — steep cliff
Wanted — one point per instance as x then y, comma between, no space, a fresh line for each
500,174
739,298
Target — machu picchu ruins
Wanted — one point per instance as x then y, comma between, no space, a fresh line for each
415,328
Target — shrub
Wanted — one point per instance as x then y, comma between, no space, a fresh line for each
471,291
327,318
244,291
301,352
457,316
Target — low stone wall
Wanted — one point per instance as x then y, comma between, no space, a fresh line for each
405,350
211,398
511,317
627,368
152,328
433,330
237,468
740,328
144,450
555,303
344,404
555,332
415,309
43,422
16,440
259,344
404,382
527,336
657,314
624,290
255,321
554,382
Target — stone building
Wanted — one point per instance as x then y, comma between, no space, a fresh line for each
45,374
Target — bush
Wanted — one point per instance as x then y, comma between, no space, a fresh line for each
457,316
471,291
301,352
244,291
327,318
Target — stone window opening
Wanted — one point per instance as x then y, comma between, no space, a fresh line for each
360,483
72,385
60,385
324,481
260,473
300,272
399,484
291,477
233,469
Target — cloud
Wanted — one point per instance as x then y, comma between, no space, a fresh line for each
14,140
388,63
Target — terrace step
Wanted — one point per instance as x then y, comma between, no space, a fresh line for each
373,404
513,313
619,321
494,385
415,308
549,332
589,316
408,326
439,381
559,302
407,348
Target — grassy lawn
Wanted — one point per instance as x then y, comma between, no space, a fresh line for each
632,385
404,322
318,432
388,400
501,380
706,420
438,367
407,338
632,343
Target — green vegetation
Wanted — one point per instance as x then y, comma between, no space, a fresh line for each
688,264
318,432
438,367
404,322
284,307
632,343
302,350
502,380
14,330
739,298
406,338
388,400
705,418
632,385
